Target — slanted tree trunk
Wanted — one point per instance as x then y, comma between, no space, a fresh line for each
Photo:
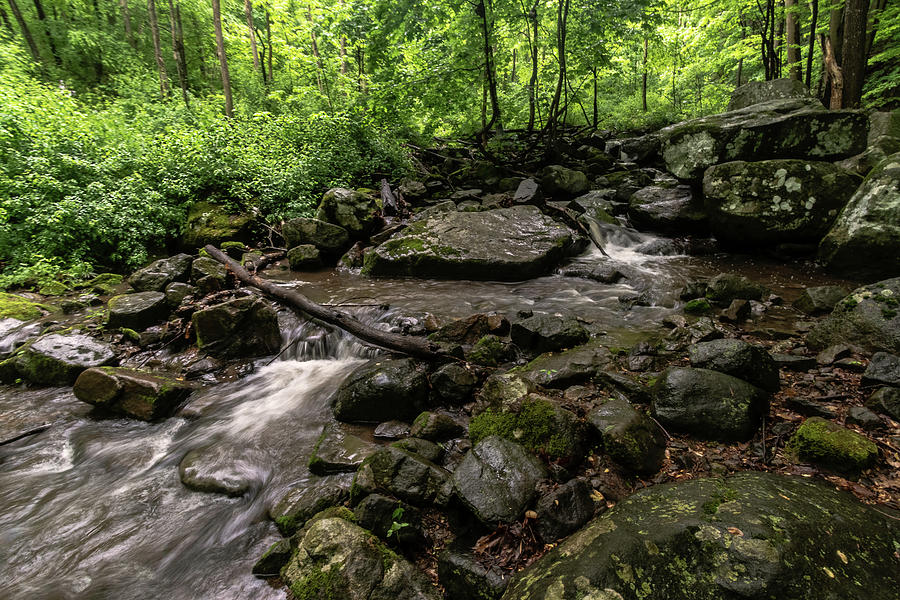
26,33
813,22
182,55
835,75
157,49
532,83
6,21
248,14
490,73
315,50
853,64
562,17
792,31
177,53
126,21
223,61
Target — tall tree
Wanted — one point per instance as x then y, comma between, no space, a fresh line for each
533,81
126,22
490,71
42,17
853,64
6,21
223,61
269,42
178,52
813,22
792,35
248,14
157,49
26,33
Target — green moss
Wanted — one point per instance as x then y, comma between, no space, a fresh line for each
226,246
700,306
488,351
104,283
53,288
535,426
822,441
131,334
320,585
17,307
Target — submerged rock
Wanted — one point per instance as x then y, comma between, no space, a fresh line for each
508,244
382,390
244,327
216,470
58,359
752,535
132,392
869,318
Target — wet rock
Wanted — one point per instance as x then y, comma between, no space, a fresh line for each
708,404
454,383
405,475
665,209
737,312
564,510
427,450
831,354
886,400
863,417
337,559
496,480
206,267
157,275
823,442
209,223
337,451
302,502
776,129
509,244
560,182
504,390
137,311
58,359
811,408
464,578
726,287
820,300
215,470
355,211
738,359
244,327
528,192
665,535
490,351
698,306
391,430
883,369
868,319
382,390
386,518
177,292
864,239
104,284
630,437
548,333
791,362
570,367
14,333
755,92
758,204
327,238
470,329
641,149
271,562
435,427
131,392
304,258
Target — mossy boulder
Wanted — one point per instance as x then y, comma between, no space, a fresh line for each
331,240
382,390
864,239
821,441
509,244
240,328
338,560
435,427
209,223
303,502
404,475
490,351
58,359
738,359
136,311
868,318
761,204
104,283
579,365
752,535
561,183
548,333
354,211
726,287
17,307
135,393
305,257
698,306
629,436
158,274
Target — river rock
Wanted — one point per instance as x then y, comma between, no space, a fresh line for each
761,204
205,266
868,318
301,503
465,578
886,400
382,516
356,212
727,287
864,239
13,306
503,390
548,333
563,510
58,359
337,451
427,450
137,311
454,383
787,128
469,330
738,359
305,257
435,427
755,92
405,475
157,275
673,210
209,223
273,559
581,364
509,244
751,535
330,239
382,390
528,192
496,480
216,470
820,300
240,328
708,404
629,436
883,369
337,559
821,441
132,392
14,333
177,292
562,183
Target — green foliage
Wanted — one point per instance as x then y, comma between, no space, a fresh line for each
535,426
396,523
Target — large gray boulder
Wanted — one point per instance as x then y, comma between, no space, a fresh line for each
755,92
562,183
864,239
579,365
629,436
738,359
356,212
404,475
668,209
382,390
548,333
869,318
137,311
787,128
157,275
131,392
330,239
708,404
503,244
58,359
338,559
752,535
240,328
775,201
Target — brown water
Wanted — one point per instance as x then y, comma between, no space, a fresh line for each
94,508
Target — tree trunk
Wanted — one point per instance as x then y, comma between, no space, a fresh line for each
596,114
643,77
269,41
490,72
792,30
42,17
126,21
562,16
778,36
182,55
532,84
813,22
26,33
248,14
315,49
853,65
6,21
177,52
874,15
157,49
223,61
413,346
835,76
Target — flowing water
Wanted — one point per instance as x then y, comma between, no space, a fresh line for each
94,508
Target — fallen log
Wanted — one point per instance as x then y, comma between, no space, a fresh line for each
411,345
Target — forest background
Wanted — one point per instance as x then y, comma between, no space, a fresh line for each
117,115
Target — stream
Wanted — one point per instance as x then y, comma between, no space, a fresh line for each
94,508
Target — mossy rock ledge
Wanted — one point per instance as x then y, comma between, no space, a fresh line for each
509,244
753,535
135,393
869,318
